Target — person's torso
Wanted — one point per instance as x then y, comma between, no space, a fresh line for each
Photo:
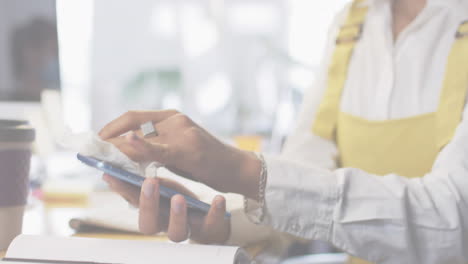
388,104
390,79
391,105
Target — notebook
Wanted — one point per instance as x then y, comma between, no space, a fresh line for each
74,250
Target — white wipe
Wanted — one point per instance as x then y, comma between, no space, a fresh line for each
89,144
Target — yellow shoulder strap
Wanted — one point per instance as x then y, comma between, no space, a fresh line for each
453,96
327,114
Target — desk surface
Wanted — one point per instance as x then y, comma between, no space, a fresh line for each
52,218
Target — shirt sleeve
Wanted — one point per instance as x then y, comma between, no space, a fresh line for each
244,232
422,220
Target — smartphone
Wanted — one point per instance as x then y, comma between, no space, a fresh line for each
137,180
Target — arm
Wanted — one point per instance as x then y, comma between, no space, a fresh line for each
419,220
375,217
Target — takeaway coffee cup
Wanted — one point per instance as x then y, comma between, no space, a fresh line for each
16,138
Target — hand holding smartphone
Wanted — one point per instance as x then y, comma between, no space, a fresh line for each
137,180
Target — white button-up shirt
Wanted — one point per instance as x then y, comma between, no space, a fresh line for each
385,219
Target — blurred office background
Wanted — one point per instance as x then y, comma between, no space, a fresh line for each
238,67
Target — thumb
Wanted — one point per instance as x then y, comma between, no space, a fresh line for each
153,151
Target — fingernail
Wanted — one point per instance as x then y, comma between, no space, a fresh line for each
177,207
219,203
148,189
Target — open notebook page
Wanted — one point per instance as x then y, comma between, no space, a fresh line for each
18,262
90,250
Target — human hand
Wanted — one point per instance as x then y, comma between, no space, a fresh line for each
186,149
157,215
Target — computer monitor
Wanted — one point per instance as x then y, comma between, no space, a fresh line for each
29,57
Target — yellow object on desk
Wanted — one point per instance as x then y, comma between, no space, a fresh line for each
66,191
249,142
122,236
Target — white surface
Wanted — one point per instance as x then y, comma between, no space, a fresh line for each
109,210
16,262
338,258
117,251
90,144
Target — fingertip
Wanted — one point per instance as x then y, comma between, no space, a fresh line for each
150,187
111,181
106,177
178,198
102,134
149,207
154,181
215,226
178,230
220,203
178,204
156,185
149,193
